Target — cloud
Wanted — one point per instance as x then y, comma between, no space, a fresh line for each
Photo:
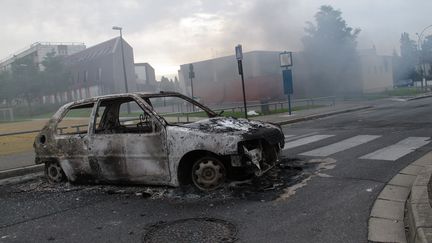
169,33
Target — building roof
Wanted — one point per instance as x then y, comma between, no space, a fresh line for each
101,49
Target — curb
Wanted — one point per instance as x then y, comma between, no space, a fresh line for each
387,218
420,97
21,171
311,117
419,216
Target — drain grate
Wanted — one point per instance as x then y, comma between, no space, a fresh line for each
191,230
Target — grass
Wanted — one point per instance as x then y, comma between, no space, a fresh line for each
24,142
408,91
16,143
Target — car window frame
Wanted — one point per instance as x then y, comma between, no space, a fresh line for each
66,111
138,100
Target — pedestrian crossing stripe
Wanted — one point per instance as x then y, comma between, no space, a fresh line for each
341,146
389,153
398,150
305,140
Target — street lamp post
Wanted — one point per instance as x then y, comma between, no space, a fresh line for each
239,57
123,60
285,59
419,47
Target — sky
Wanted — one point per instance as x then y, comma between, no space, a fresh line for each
168,33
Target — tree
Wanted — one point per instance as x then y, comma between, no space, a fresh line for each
166,84
409,58
330,53
7,90
55,75
426,54
27,78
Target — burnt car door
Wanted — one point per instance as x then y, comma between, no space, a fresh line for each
71,140
127,143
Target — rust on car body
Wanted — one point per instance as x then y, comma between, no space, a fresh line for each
152,150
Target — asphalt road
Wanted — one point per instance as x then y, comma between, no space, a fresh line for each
345,161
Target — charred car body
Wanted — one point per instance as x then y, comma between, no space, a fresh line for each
152,145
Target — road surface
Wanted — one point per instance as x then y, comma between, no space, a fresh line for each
344,161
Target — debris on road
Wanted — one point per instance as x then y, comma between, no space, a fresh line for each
280,182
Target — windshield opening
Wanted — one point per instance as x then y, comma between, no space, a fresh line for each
178,110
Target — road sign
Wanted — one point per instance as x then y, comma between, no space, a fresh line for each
287,81
239,52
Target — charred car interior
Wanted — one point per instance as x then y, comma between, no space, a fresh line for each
154,139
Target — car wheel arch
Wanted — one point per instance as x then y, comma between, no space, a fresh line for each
186,162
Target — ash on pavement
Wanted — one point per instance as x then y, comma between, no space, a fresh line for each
272,185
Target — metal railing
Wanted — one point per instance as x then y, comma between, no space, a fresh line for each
325,101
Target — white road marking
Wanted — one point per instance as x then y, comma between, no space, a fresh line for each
306,140
341,146
295,137
288,136
398,150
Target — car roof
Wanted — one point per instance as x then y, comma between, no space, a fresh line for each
141,94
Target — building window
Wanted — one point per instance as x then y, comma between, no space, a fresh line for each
85,76
62,50
99,78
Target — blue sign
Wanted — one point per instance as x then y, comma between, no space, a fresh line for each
287,81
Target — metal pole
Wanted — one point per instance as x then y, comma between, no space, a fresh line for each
124,69
289,104
243,87
192,88
193,106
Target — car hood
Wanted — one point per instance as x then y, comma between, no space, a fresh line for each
229,125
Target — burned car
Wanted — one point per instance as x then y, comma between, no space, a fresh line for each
154,139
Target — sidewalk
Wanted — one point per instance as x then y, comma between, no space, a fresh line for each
303,115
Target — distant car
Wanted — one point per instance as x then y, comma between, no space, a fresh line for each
403,83
156,139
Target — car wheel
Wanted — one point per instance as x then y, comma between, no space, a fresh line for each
208,173
54,172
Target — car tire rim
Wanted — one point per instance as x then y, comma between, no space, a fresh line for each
54,172
208,174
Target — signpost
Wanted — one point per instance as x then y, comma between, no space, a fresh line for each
239,57
191,77
286,62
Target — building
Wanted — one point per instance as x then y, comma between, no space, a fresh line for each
38,51
98,70
376,71
145,77
217,80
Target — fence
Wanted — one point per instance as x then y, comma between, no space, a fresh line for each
264,108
